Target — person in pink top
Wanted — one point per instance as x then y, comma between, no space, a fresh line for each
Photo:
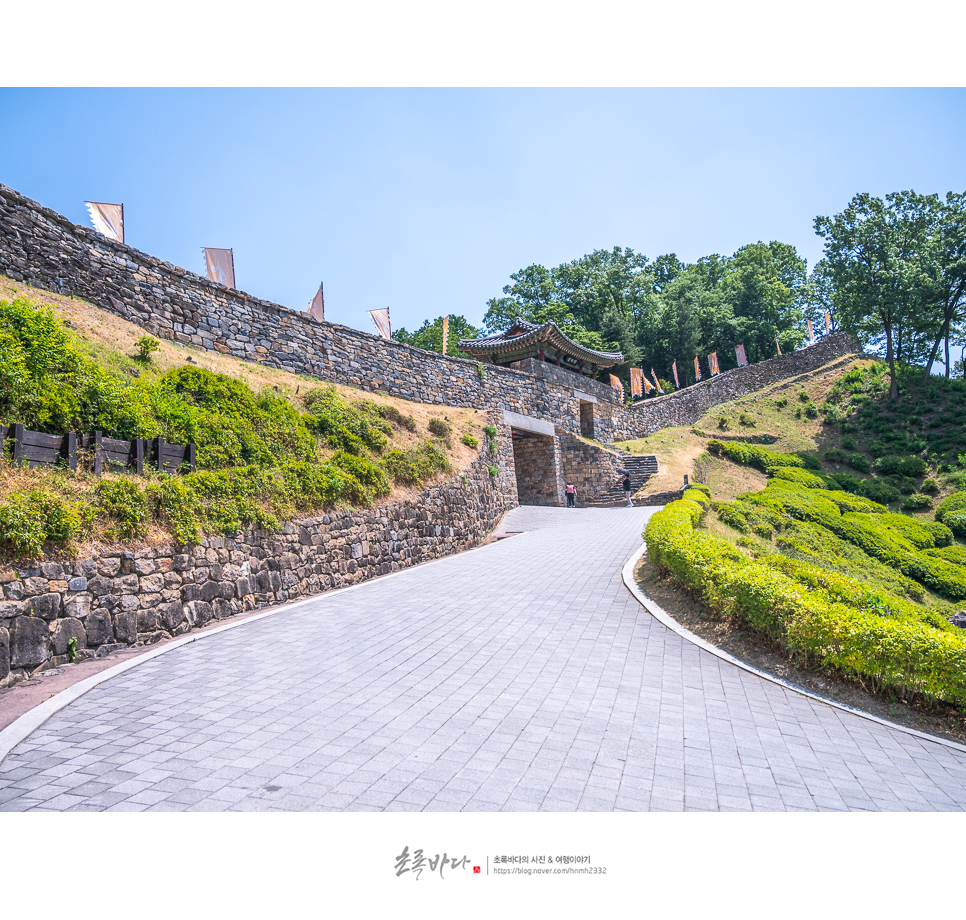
571,495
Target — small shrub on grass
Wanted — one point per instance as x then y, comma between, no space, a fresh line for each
746,420
848,443
124,503
469,440
345,427
930,487
489,431
29,520
892,465
441,428
781,402
918,501
367,481
146,346
416,466
723,423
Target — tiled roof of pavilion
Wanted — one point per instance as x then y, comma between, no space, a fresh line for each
523,338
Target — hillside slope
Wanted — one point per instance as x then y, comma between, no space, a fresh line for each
270,443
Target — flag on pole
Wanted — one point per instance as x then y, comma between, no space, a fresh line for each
674,367
220,265
445,332
657,383
317,306
713,363
648,386
828,320
697,368
811,332
107,219
617,385
777,345
637,381
741,356
381,319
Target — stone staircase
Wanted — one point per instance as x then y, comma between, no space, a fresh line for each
641,468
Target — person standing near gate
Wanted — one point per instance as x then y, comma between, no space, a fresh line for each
626,484
571,495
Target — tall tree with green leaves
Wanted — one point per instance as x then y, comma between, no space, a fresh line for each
875,254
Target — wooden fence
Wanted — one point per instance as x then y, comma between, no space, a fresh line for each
37,449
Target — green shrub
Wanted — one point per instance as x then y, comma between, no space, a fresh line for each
146,346
798,476
892,465
469,440
848,443
416,466
390,413
746,420
29,520
124,502
753,455
493,471
442,429
729,514
367,481
951,503
489,431
918,501
723,423
345,427
822,621
956,522
781,402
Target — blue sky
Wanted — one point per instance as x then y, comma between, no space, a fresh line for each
425,200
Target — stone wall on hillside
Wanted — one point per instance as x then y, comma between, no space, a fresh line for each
118,599
686,406
42,248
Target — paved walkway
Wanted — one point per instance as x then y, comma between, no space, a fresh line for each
522,676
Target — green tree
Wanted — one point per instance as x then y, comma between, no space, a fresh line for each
875,254
430,335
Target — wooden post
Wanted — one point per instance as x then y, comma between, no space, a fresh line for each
139,456
98,454
72,450
191,457
159,452
3,442
17,432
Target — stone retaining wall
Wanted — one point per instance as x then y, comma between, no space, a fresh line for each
119,599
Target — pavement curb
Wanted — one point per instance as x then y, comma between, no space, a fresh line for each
627,574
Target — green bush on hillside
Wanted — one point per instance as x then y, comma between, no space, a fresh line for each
826,621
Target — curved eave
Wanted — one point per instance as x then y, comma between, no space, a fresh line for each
548,333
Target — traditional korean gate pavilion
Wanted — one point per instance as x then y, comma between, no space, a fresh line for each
544,343
543,350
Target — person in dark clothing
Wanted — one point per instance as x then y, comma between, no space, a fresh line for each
626,485
571,495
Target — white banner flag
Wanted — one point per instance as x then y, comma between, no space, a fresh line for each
107,219
381,319
220,264
317,306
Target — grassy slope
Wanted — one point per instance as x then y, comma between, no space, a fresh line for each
111,341
676,449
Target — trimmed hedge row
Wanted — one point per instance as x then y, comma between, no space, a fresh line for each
825,619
